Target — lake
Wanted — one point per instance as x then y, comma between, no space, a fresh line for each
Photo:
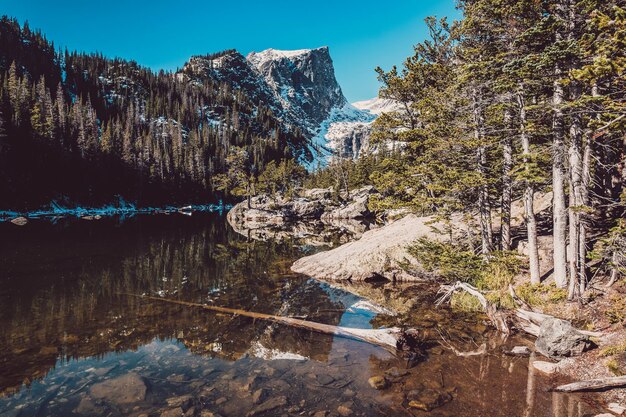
76,338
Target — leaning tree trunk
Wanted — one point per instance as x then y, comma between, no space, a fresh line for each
484,205
507,182
529,194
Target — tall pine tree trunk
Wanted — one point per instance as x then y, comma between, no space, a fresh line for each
529,194
507,182
576,271
577,261
484,205
559,209
559,215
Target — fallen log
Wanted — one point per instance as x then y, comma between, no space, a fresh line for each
527,320
496,316
593,384
391,339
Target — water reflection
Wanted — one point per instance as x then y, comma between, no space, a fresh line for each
73,342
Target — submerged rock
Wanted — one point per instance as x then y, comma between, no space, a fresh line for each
19,221
559,339
174,412
271,404
126,389
428,399
378,253
378,382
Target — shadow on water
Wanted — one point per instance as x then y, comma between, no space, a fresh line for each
74,344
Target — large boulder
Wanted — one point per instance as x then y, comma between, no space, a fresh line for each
559,339
378,253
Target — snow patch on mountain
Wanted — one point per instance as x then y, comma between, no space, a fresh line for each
332,137
378,105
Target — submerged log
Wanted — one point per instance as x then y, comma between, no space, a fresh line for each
391,339
593,384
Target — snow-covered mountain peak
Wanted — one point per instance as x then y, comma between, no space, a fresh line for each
259,59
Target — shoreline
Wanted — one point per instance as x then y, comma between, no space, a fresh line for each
57,210
372,255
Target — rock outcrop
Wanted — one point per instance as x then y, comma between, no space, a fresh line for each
317,216
315,204
379,253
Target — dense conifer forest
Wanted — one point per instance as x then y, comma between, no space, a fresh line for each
86,129
517,99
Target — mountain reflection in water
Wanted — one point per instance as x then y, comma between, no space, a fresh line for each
73,342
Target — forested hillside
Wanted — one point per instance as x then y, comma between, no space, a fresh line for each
86,128
519,97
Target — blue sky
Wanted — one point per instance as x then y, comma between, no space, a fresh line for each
163,34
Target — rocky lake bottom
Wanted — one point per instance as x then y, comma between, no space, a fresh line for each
76,339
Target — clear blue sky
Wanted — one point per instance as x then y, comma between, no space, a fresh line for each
163,34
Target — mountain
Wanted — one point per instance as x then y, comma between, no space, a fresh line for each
86,129
303,81
305,84
299,87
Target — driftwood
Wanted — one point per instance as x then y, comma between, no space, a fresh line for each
524,318
496,316
389,339
594,384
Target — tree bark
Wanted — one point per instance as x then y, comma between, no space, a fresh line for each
529,194
559,209
484,205
507,182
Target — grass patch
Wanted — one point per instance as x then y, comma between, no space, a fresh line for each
614,350
462,301
617,313
541,294
614,367
454,263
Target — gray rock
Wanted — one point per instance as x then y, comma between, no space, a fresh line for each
617,408
126,389
318,193
259,395
520,351
559,339
174,412
268,405
547,368
19,221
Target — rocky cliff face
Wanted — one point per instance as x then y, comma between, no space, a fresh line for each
300,88
304,82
